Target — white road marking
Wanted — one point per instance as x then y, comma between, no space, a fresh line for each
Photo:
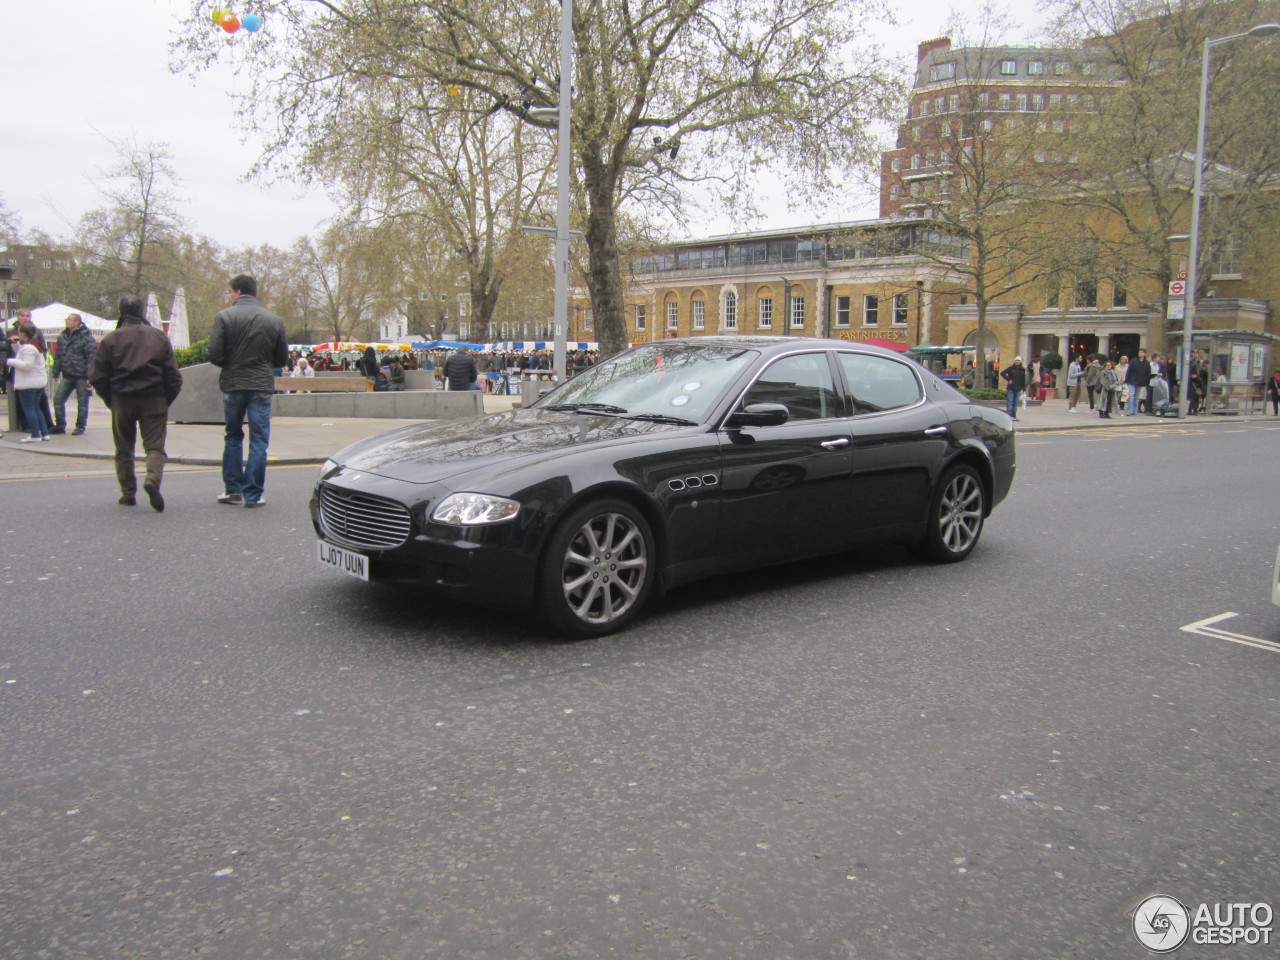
1206,628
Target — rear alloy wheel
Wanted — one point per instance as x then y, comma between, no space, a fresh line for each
955,516
598,569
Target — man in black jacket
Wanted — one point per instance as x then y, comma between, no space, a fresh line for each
247,342
137,377
1015,379
72,362
1138,378
460,370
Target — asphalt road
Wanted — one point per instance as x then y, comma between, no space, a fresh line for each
215,748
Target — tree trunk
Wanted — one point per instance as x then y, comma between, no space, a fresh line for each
604,273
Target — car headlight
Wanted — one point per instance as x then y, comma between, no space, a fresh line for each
469,509
327,468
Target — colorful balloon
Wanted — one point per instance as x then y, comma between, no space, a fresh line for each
218,14
230,23
251,22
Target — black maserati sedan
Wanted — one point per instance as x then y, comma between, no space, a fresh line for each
668,462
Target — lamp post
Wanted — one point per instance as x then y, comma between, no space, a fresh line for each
1188,322
562,113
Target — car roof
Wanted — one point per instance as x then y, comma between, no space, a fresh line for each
777,344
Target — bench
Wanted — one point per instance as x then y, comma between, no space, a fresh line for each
322,384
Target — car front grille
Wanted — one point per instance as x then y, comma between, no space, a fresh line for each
360,520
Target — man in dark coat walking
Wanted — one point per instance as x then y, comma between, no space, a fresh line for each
460,370
137,377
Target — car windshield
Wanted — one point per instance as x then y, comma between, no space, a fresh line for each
676,380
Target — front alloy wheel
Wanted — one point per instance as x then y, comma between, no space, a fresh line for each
955,515
597,570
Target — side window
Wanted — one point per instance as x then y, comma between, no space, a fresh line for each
878,383
802,382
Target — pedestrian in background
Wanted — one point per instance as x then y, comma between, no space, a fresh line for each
460,371
1092,373
1108,383
7,350
1138,379
137,377
72,363
247,342
29,381
1015,378
1075,371
1273,393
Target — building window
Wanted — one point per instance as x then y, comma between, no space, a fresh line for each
1006,101
953,103
1009,68
1061,67
1035,67
1037,101
1087,101
1088,68
673,315
947,130
1086,292
983,100
766,311
1022,102
870,310
588,318
1055,100
731,311
843,309
915,161
1051,290
939,104
797,312
895,164
1119,295
1230,259
699,314
640,316
893,191
942,71
900,309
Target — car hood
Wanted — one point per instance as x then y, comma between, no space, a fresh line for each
442,449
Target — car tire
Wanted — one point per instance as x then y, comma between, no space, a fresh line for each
597,570
957,510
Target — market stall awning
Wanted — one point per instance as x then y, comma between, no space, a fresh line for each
929,350
896,346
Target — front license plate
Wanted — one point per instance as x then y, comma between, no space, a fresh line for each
344,561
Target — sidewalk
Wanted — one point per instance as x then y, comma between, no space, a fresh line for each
311,439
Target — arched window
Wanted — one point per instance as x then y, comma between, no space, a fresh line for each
730,313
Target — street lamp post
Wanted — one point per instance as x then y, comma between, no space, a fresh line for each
1188,321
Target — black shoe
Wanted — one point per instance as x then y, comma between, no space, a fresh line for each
78,432
58,430
255,503
153,495
127,501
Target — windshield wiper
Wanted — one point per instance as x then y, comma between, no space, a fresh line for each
587,408
663,418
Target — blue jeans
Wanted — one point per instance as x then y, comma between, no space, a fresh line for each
238,476
81,387
31,412
1132,407
1011,401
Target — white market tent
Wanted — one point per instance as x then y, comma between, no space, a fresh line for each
51,320
179,334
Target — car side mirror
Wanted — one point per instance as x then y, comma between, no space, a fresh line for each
759,415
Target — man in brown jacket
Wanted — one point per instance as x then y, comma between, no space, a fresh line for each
136,375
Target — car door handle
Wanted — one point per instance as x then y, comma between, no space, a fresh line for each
833,444
936,432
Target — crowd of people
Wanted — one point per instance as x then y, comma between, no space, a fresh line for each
1126,388
387,370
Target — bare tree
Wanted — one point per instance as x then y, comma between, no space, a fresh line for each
135,232
663,91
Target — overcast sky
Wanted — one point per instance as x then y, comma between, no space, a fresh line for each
80,72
